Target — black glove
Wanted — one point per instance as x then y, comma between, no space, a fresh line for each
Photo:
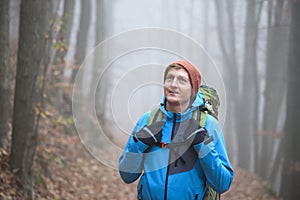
195,134
150,135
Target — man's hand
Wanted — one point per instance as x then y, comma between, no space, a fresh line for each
195,134
150,135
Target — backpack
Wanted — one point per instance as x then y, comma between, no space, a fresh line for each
210,107
211,100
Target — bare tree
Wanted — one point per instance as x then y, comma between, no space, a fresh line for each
62,45
291,167
247,117
80,53
98,59
4,72
277,47
63,38
227,39
34,20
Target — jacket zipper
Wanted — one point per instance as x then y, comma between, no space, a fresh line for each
168,168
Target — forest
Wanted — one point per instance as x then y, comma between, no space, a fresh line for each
76,75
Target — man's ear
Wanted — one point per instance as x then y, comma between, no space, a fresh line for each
192,94
192,99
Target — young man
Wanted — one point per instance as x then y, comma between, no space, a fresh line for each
192,158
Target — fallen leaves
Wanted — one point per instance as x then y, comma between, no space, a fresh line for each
9,185
247,186
63,169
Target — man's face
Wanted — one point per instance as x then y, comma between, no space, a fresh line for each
177,87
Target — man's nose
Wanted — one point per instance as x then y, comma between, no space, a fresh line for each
174,82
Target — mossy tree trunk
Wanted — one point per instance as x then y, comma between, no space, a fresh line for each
34,22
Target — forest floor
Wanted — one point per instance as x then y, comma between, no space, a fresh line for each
63,169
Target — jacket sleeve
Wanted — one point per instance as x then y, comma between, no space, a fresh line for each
131,160
214,159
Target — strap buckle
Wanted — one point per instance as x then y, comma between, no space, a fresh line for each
163,145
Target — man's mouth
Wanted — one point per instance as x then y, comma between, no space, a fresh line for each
172,92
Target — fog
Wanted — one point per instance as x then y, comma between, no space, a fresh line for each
103,64
240,48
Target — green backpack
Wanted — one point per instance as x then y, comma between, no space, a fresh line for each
211,100
210,106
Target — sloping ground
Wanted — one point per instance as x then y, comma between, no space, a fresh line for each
247,186
64,170
9,185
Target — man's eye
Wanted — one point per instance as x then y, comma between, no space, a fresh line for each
169,78
182,80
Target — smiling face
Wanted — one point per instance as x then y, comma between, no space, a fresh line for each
177,89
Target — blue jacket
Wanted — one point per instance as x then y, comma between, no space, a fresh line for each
164,175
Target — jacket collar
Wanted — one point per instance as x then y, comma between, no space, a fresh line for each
187,113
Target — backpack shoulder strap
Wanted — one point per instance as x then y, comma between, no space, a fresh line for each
203,117
156,115
200,115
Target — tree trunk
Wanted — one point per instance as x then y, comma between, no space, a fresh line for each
247,118
34,19
63,38
275,85
205,36
85,18
291,167
14,23
4,72
227,39
98,59
61,47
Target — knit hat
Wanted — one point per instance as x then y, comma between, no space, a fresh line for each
194,74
